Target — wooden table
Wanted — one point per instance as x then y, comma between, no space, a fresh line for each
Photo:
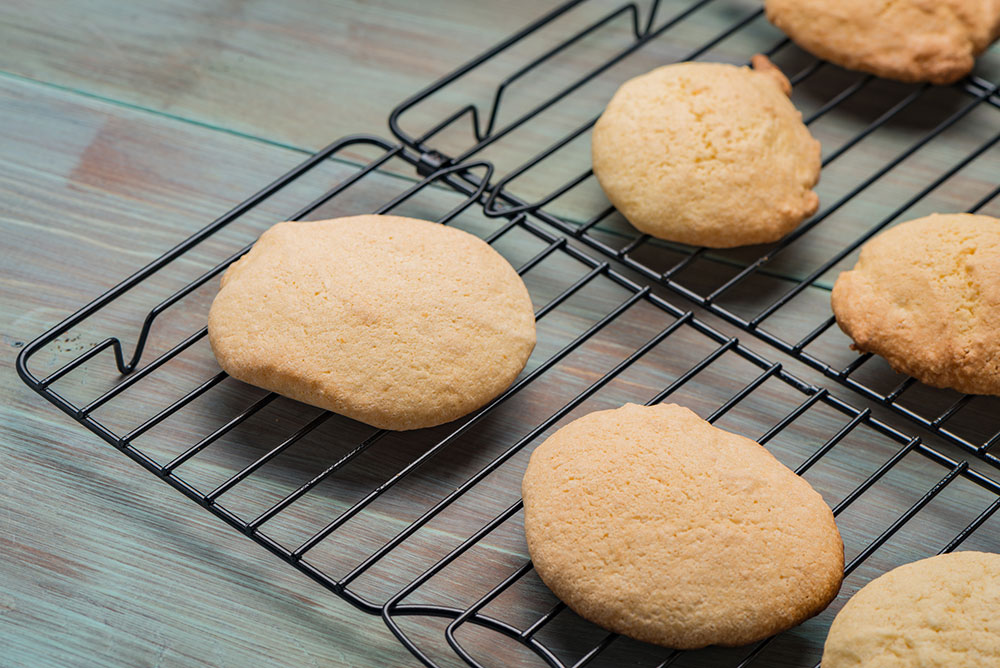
125,127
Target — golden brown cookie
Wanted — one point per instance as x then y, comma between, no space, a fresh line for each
942,612
398,323
925,295
653,523
908,40
708,154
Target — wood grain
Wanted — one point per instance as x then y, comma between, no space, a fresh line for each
299,73
126,127
939,151
102,564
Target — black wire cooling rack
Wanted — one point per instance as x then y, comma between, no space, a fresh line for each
424,528
892,152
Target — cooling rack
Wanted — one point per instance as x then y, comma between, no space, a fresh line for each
892,152
424,528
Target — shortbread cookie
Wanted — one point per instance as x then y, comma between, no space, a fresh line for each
925,295
908,40
398,323
708,154
653,523
942,612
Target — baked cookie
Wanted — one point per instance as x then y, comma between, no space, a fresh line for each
653,523
908,40
708,154
925,295
942,612
398,323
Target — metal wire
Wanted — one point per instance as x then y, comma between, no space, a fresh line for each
472,188
392,608
502,200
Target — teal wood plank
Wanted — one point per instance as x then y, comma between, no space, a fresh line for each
308,71
300,72
108,566
100,563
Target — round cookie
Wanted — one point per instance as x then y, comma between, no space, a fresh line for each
942,612
653,523
398,323
908,40
925,295
707,154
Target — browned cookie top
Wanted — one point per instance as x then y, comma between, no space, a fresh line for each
653,523
909,40
396,322
925,295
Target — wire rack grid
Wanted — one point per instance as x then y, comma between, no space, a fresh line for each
424,528
892,152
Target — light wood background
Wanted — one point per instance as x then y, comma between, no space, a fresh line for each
124,127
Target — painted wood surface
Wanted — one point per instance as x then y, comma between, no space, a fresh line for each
103,565
125,127
299,73
891,152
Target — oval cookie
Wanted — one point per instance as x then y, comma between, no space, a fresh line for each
707,154
653,523
396,322
925,295
942,612
908,40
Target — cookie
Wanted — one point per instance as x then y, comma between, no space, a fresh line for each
398,323
942,612
652,523
707,154
908,40
925,295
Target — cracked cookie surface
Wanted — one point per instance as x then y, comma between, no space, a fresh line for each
935,613
651,522
925,295
708,154
908,40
